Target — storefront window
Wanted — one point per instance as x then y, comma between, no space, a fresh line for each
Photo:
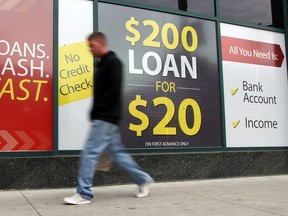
26,76
205,7
260,12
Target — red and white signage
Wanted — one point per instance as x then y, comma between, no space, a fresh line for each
26,75
251,52
255,87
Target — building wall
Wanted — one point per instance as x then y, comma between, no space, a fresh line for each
205,90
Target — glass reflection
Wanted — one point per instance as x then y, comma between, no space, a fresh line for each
260,12
205,7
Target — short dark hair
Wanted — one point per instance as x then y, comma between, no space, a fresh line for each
97,36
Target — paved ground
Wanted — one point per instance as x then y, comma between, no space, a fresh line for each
263,196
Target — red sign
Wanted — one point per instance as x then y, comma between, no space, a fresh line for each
26,75
251,52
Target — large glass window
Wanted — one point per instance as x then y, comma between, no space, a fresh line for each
26,76
260,12
205,7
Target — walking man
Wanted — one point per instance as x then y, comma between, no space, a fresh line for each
105,117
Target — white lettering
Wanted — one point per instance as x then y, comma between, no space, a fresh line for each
152,65
146,68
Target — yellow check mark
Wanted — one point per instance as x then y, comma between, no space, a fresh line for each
235,124
233,91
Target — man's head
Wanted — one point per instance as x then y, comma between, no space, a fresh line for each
98,44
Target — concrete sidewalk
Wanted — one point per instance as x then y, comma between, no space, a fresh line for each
263,196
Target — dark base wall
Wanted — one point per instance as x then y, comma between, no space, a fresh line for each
61,171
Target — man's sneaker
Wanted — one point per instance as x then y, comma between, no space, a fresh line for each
144,189
76,199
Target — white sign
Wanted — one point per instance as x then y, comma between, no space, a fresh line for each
73,113
255,87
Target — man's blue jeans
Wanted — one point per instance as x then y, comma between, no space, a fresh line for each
105,136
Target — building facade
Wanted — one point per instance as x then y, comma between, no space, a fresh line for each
205,87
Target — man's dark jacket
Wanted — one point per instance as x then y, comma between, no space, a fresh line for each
107,89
